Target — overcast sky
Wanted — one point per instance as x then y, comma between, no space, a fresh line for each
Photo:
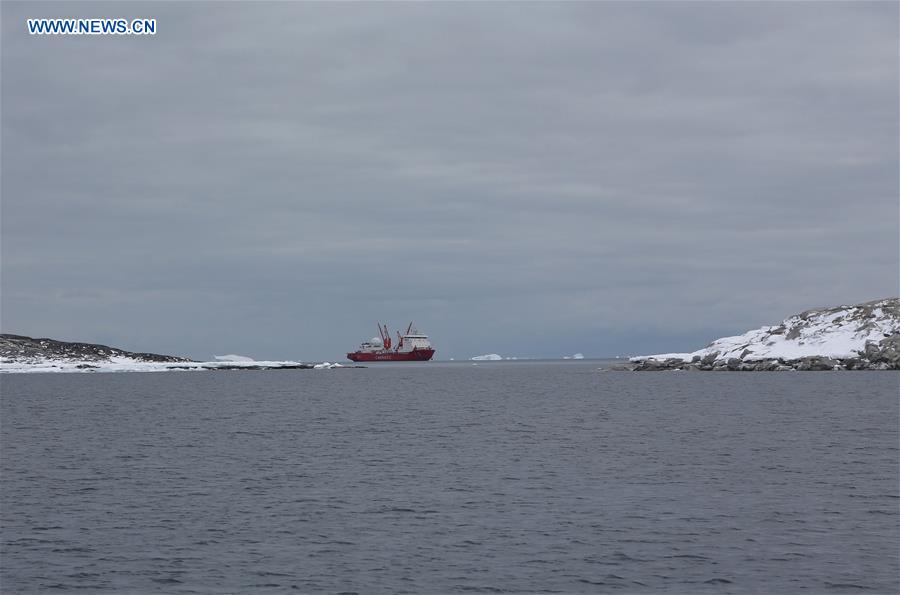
531,179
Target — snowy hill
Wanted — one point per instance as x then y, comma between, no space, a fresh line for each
18,349
863,336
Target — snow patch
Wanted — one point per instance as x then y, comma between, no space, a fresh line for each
233,358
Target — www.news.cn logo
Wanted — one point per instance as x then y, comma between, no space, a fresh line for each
92,26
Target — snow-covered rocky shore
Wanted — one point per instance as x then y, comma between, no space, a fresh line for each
19,354
860,337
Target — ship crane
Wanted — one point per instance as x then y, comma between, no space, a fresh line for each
385,336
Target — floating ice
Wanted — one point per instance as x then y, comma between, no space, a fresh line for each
493,357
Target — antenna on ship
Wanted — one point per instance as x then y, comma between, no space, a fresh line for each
409,328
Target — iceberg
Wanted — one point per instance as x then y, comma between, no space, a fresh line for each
492,357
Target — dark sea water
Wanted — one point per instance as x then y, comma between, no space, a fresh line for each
522,477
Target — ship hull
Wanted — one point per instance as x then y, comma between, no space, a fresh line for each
416,355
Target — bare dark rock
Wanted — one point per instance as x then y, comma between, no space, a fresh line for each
794,332
649,365
710,358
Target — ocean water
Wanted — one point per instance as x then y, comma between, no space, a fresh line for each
500,477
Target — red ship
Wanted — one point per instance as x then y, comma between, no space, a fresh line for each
412,346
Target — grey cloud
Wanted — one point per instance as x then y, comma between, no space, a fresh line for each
272,178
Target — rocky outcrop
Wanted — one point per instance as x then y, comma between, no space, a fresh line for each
20,354
859,337
19,349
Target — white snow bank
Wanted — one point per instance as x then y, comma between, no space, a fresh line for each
233,358
124,364
327,366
